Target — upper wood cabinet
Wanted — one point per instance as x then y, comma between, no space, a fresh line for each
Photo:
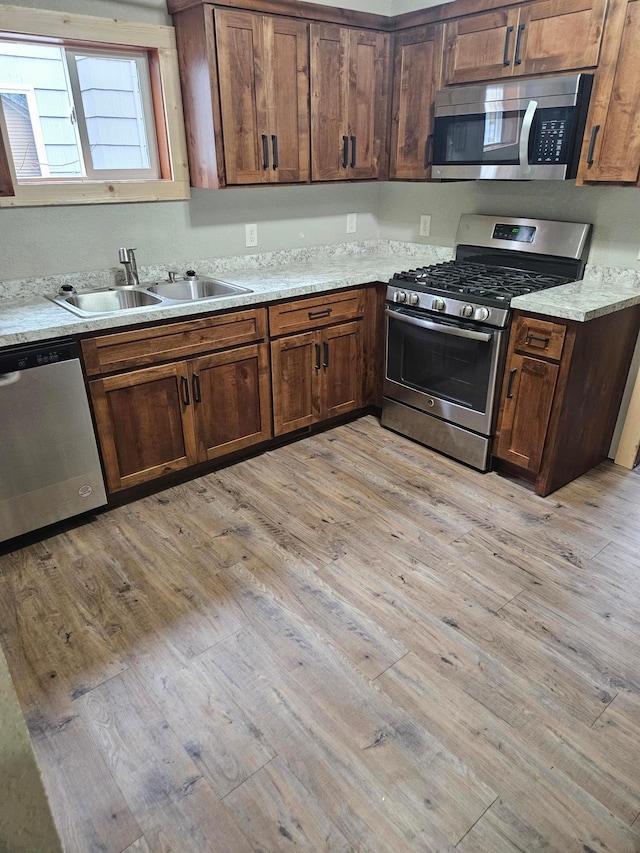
264,92
611,150
349,102
417,68
535,38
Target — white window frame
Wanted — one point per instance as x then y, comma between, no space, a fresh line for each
82,33
146,98
34,117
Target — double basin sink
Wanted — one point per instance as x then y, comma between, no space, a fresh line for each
110,300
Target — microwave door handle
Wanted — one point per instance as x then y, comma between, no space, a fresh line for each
525,136
456,332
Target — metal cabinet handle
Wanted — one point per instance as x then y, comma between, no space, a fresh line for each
325,346
345,152
531,337
507,44
197,396
326,312
353,152
265,151
428,151
512,376
274,143
185,391
592,144
317,356
518,59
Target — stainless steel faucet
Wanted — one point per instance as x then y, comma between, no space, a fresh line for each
128,260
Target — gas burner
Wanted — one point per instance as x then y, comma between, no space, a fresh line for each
492,284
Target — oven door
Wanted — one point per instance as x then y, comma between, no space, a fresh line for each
447,368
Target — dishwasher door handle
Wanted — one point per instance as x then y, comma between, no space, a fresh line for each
9,378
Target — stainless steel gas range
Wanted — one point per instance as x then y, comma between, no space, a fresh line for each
447,328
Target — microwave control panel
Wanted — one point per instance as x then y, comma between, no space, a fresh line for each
551,141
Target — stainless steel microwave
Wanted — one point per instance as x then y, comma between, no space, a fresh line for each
511,130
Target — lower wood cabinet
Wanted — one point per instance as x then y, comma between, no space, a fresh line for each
561,394
316,376
531,384
165,418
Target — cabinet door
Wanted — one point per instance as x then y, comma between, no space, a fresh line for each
295,369
480,47
329,102
231,400
560,35
144,423
612,143
243,96
287,73
417,58
529,388
367,104
341,369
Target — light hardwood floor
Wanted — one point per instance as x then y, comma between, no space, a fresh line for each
346,644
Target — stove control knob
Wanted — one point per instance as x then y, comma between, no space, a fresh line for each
399,296
438,305
481,314
467,311
414,299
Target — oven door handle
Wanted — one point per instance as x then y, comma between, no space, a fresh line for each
456,332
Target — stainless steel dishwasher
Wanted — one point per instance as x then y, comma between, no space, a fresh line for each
49,464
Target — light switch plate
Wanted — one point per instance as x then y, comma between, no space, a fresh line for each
352,223
425,225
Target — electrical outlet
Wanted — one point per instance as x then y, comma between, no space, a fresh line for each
251,235
639,254
425,225
352,222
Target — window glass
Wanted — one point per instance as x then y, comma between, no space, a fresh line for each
75,115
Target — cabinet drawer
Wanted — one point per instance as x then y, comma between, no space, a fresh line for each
539,337
303,314
138,348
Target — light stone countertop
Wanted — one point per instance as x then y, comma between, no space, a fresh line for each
38,319
603,291
27,317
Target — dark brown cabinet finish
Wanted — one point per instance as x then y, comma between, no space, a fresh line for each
531,384
611,151
417,68
231,400
349,102
264,83
144,424
316,376
535,38
167,417
560,405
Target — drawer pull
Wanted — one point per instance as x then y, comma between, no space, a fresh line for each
512,376
197,395
265,151
325,363
592,144
326,312
345,152
507,41
185,391
317,356
544,341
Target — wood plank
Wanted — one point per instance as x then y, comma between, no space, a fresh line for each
273,805
173,804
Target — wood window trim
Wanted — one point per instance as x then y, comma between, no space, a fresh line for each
160,43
